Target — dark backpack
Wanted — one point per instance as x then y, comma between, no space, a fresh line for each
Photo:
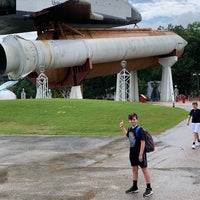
149,143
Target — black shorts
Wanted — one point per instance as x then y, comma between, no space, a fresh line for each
134,159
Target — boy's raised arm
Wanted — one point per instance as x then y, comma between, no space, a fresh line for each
121,125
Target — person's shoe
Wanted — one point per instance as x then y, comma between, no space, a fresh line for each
133,189
148,192
193,146
198,144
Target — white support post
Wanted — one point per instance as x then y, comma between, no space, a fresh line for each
167,92
76,93
134,92
117,88
49,94
23,94
123,83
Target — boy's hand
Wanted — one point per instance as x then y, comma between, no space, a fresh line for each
121,125
140,157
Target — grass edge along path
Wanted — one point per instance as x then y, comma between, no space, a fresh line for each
82,117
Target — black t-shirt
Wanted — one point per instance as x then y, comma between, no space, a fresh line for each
195,114
141,136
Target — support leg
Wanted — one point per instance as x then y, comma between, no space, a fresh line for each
76,93
133,90
167,92
117,95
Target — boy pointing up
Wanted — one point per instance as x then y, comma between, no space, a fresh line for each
137,154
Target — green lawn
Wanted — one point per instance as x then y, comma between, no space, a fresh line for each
82,117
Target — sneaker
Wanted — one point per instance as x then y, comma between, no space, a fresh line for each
193,146
148,192
133,189
197,144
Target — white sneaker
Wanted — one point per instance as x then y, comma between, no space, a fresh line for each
193,146
197,144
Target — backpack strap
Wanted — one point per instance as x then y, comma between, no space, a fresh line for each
137,130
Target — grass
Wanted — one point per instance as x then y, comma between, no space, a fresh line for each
82,117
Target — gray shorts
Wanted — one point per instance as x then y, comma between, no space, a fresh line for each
195,127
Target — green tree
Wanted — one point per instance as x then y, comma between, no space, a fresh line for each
189,63
29,88
99,87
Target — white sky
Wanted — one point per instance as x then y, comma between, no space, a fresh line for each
164,12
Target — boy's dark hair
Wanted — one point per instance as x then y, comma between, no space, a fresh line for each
132,115
195,103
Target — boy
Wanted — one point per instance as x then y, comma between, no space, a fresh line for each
137,154
195,115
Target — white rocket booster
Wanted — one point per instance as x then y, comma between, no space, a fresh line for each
19,57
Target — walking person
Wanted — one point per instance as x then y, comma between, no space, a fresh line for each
195,115
137,154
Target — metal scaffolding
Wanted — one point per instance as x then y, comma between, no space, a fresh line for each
123,83
42,85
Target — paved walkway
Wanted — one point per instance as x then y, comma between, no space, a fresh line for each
96,168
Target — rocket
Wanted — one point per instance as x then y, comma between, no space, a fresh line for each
71,54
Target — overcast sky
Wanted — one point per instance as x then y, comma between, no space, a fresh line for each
163,12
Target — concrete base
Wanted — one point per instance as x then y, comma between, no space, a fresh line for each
76,93
167,91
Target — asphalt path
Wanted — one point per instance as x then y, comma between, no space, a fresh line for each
97,168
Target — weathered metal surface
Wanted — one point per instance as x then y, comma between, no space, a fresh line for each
89,13
98,13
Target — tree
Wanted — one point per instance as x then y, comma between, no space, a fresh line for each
189,63
99,87
29,88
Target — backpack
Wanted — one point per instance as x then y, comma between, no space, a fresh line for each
149,142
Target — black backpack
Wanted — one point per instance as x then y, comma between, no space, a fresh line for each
149,142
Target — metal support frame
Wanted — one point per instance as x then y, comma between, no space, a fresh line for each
42,85
127,85
65,92
123,83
